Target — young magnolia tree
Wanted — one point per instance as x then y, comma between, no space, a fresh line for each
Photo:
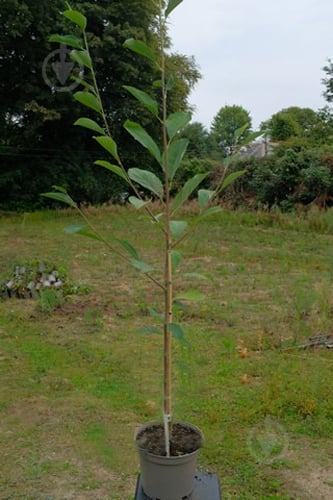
168,155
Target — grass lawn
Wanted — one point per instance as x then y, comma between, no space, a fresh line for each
76,377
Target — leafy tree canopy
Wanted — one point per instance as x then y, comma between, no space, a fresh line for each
225,125
36,121
197,136
303,124
328,81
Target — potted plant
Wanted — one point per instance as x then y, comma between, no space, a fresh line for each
167,449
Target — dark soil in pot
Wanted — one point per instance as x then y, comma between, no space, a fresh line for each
184,439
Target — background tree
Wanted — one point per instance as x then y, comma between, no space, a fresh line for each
328,81
36,131
197,136
282,126
291,122
225,124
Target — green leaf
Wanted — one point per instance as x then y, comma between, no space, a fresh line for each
230,179
140,48
141,266
137,203
88,100
109,144
207,213
177,332
204,197
144,98
192,295
70,40
147,180
251,137
64,198
177,228
113,168
180,305
176,258
172,4
176,122
129,248
187,190
149,329
84,83
140,135
170,83
157,84
197,276
240,131
81,57
90,124
81,230
176,151
154,313
76,17
60,189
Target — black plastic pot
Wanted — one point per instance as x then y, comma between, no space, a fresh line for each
168,478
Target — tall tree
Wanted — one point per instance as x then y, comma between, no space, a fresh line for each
225,125
282,126
36,115
197,136
292,122
328,81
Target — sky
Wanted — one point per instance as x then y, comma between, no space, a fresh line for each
263,55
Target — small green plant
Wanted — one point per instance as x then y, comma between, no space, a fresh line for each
49,300
171,228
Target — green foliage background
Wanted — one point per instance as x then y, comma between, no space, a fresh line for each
39,146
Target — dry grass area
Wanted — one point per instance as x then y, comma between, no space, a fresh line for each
76,377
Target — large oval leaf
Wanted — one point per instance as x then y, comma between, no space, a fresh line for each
192,295
113,168
137,203
76,17
85,84
109,144
172,4
141,266
207,213
147,180
83,231
177,332
176,152
82,57
177,228
64,198
187,190
230,179
89,100
204,197
70,40
176,122
140,135
176,258
149,329
144,98
140,48
90,124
